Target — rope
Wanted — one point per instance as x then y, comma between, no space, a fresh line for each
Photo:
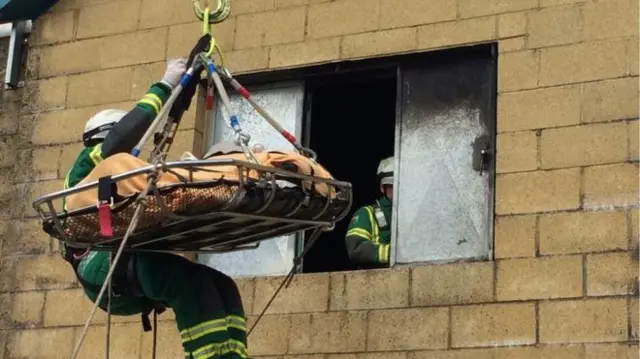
246,95
242,139
162,147
162,116
159,155
107,283
158,164
289,277
155,335
108,343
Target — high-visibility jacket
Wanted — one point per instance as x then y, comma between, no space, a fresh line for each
207,304
368,237
131,128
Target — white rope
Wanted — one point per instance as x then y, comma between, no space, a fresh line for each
132,226
108,341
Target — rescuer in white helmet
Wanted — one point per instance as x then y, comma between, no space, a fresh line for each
369,236
207,304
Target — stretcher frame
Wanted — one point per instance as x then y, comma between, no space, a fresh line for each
229,227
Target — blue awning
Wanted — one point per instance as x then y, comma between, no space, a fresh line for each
15,10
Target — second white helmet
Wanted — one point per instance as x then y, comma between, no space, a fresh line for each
100,124
385,171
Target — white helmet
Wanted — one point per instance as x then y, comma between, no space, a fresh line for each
385,171
100,124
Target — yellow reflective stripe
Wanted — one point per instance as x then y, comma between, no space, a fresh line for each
212,326
374,225
65,186
155,98
150,103
383,249
66,180
215,352
202,329
209,350
152,100
237,318
204,332
383,253
376,234
96,154
226,347
236,322
359,232
370,213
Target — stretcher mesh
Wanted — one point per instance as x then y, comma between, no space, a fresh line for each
193,200
179,200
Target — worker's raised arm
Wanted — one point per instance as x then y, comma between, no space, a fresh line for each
363,240
126,133
115,131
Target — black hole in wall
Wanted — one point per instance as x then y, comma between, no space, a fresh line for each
352,127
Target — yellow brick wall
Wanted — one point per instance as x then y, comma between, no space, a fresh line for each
564,282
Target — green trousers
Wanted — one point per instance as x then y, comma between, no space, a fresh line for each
207,304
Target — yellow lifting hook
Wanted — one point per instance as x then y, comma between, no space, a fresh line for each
218,15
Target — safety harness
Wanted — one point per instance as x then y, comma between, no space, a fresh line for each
124,285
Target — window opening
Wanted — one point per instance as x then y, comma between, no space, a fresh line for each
351,126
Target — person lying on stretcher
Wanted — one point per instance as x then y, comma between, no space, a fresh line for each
207,304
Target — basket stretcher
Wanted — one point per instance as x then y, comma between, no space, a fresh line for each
221,203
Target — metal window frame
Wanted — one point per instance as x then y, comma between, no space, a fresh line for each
396,166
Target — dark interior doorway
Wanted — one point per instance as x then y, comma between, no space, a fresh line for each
351,126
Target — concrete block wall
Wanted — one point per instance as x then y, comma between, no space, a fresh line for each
564,281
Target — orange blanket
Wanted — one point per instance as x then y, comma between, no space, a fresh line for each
123,162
